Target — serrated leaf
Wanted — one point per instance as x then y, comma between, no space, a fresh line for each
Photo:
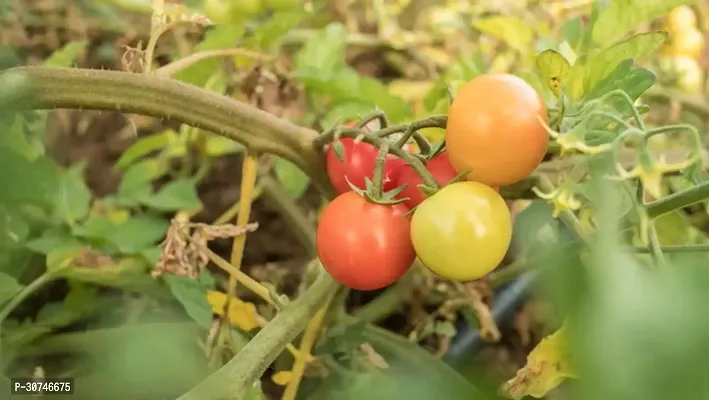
130,237
180,194
73,196
52,240
324,54
547,366
137,181
67,55
554,69
9,287
193,297
604,62
216,38
621,16
294,181
514,31
145,146
216,145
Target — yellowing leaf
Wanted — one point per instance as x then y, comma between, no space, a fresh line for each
512,30
241,313
281,378
547,366
554,68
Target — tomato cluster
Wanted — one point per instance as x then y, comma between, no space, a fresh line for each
494,136
681,56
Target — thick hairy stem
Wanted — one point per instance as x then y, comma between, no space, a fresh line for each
232,380
147,94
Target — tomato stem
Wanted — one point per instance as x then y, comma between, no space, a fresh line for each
378,178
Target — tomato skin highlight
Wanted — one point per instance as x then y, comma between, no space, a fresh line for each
439,167
493,129
363,245
360,159
463,231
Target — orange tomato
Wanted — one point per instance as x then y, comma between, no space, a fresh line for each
493,129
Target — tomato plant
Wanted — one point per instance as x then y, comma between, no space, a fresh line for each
493,129
439,167
359,161
463,231
364,245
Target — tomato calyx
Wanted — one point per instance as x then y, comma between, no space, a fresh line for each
373,191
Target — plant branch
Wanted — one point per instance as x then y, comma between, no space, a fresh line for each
390,301
147,94
678,200
27,291
235,377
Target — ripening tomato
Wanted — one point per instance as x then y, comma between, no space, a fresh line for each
360,159
463,231
681,18
689,43
688,75
439,167
493,129
364,245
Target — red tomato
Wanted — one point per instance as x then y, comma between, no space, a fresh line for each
360,159
364,245
441,169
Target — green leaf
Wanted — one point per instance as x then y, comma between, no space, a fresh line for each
295,182
604,62
412,373
136,184
514,31
145,146
9,287
27,181
67,55
130,237
128,273
572,30
193,297
54,239
216,38
216,145
180,194
621,16
324,54
633,81
73,197
554,69
16,139
275,28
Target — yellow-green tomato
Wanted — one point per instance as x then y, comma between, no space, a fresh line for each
241,9
687,73
689,42
681,18
463,231
219,11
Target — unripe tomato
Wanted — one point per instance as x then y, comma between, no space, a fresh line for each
494,131
363,245
219,11
689,42
439,167
463,231
681,18
689,75
246,8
